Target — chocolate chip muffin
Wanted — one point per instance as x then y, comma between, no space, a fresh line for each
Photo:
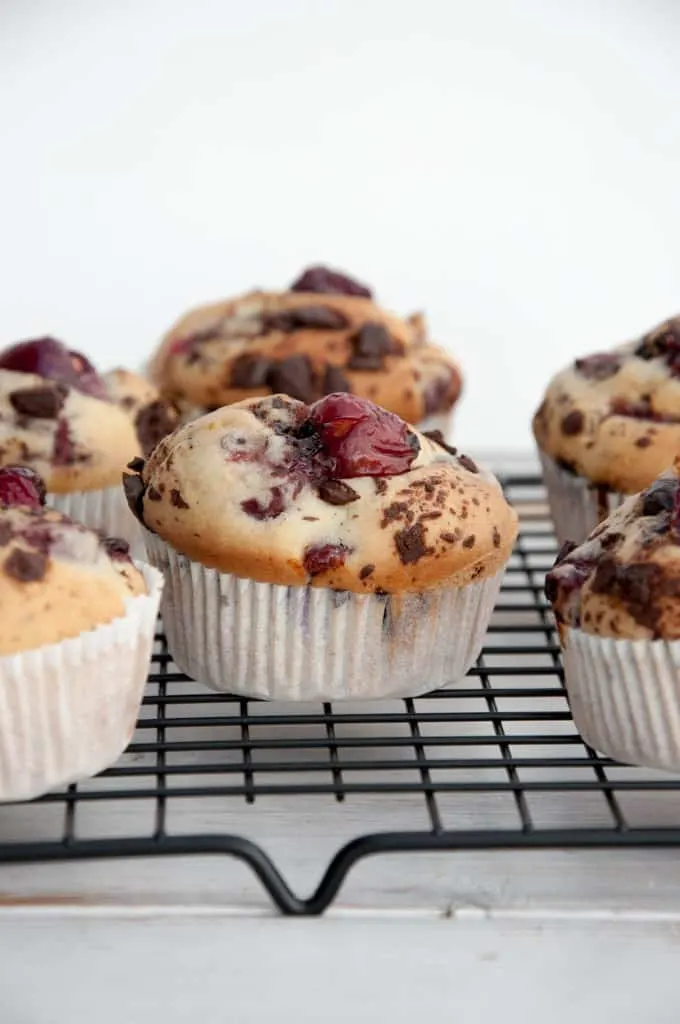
608,425
325,334
76,428
75,642
333,550
616,598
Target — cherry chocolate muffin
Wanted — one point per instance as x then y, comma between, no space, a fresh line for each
616,598
75,642
325,334
77,428
608,425
326,551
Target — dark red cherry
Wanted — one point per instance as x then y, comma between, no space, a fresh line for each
20,485
324,281
361,439
49,358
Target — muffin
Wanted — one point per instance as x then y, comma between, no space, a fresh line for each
78,429
321,552
325,334
76,635
616,598
608,426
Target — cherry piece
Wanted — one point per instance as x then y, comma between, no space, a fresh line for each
323,281
49,358
20,485
274,507
360,439
321,557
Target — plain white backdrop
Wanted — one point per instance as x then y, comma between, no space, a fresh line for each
511,167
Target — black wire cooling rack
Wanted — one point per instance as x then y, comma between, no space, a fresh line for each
505,731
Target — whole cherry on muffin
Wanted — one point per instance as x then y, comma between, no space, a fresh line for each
608,425
76,427
324,334
334,550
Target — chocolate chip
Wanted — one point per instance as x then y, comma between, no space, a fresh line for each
274,507
370,345
334,380
438,438
134,492
335,492
321,280
315,317
440,393
573,423
43,403
467,463
380,484
450,538
294,377
136,465
249,372
365,571
26,566
496,537
598,367
64,452
410,544
153,422
177,500
643,442
153,495
469,542
397,510
660,497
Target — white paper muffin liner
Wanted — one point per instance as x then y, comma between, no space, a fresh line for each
575,506
309,643
68,710
106,510
625,697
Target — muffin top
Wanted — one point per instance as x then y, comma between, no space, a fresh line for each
76,428
325,334
614,417
624,580
339,494
57,578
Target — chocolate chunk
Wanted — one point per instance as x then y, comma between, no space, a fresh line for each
323,281
320,558
450,538
438,438
177,500
136,465
274,507
294,377
319,317
335,492
496,537
334,380
380,485
659,497
249,372
64,452
152,494
365,571
359,362
573,423
467,463
117,549
638,586
397,510
134,492
370,345
410,544
643,442
26,566
153,422
567,547
598,367
439,393
43,403
469,542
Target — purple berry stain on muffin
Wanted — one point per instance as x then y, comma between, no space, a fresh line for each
20,485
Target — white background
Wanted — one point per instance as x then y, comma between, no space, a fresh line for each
512,167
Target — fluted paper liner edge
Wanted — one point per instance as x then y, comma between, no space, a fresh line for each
68,710
573,501
105,510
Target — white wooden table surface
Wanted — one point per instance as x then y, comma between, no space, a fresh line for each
522,936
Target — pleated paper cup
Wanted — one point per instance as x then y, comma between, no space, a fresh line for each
576,505
625,697
105,510
313,644
68,710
